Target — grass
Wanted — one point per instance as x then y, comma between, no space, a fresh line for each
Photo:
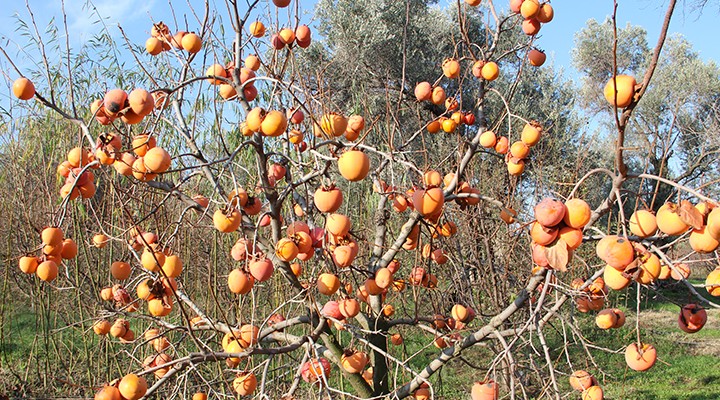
18,336
687,368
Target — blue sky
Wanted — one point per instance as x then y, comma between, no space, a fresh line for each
571,16
556,37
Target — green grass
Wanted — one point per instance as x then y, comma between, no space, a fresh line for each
18,335
688,363
683,377
687,370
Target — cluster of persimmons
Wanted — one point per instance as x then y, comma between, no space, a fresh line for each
556,230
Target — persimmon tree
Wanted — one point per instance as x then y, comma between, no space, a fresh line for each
235,217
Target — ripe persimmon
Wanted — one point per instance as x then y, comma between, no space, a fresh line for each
438,95
274,124
216,71
593,393
331,125
451,68
108,392
303,36
47,270
153,46
286,249
490,71
643,223
680,271
191,42
449,125
227,91
571,236
519,149
123,164
354,165
620,317
428,202
240,282
640,358
356,123
132,387
227,221
152,260
257,29
531,26
606,319
549,212
349,308
702,241
423,91
52,236
577,213
488,139
23,88
328,284
616,251
157,160
542,235
712,282
581,380
120,270
141,102
713,223
159,307
245,383
625,90
172,267
531,133
669,221
476,69
114,101
28,264
615,279
529,8
536,57
546,13
396,339
462,313
502,145
515,167
287,35
78,157
354,362
692,318
142,143
486,390
649,268
261,269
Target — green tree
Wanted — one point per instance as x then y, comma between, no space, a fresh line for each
675,127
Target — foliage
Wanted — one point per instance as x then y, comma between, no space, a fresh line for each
464,247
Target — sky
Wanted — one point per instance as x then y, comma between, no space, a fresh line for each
572,15
556,38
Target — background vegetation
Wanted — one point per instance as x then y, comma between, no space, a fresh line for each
366,58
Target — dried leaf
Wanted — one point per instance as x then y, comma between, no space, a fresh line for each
690,215
507,214
557,255
632,271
